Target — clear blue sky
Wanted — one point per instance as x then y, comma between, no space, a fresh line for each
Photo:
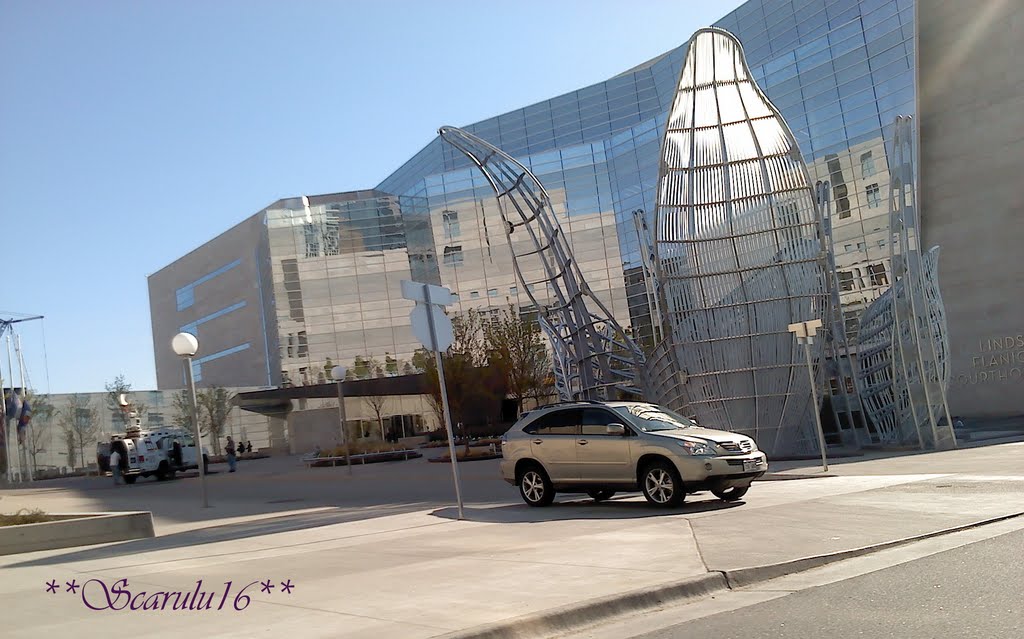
132,132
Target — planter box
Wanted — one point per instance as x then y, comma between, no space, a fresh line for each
364,458
66,530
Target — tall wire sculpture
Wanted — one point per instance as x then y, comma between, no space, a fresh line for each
593,356
740,255
903,345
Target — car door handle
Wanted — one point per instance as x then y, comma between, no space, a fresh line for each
581,442
538,441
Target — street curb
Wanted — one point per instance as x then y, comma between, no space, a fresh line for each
573,616
587,613
748,576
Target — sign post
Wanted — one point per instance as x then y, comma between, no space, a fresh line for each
804,332
434,330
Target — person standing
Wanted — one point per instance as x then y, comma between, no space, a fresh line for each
230,450
115,466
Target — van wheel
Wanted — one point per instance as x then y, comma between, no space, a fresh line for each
601,495
535,487
662,485
130,479
730,494
161,472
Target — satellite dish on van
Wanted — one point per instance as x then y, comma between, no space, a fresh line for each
122,400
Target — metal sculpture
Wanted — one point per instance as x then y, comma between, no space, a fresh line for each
739,251
903,344
592,354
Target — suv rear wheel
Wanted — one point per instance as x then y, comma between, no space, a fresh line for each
535,487
662,485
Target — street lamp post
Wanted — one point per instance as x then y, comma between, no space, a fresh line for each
185,346
804,332
338,374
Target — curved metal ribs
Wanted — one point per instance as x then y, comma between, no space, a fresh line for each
739,254
592,354
903,344
889,373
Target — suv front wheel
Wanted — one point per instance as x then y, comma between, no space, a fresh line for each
662,485
536,488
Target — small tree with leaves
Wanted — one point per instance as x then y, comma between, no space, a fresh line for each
516,348
215,405
390,365
79,424
462,363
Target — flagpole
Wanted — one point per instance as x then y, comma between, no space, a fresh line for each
10,370
24,402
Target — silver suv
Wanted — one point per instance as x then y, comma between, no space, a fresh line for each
601,448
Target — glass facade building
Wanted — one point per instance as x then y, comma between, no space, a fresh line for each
839,71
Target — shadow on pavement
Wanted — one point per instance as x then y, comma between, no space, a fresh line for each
227,532
580,509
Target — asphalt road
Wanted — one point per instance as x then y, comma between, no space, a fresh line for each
972,591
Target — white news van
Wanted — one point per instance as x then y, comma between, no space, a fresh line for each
160,452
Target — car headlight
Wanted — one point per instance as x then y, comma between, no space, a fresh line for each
697,447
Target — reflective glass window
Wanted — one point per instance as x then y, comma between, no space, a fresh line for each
453,256
867,164
873,195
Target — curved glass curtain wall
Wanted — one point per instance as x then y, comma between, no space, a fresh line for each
836,70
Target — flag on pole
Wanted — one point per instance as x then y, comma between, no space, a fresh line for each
13,404
23,419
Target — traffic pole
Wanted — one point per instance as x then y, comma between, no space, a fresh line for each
444,401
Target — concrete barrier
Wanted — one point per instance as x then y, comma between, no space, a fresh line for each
66,530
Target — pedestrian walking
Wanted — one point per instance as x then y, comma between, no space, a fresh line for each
115,466
230,450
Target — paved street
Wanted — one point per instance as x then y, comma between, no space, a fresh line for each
381,554
973,591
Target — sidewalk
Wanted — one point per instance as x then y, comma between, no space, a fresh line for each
424,574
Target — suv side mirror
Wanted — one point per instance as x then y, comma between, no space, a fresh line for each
617,430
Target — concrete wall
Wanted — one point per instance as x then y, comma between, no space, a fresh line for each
76,529
971,91
246,327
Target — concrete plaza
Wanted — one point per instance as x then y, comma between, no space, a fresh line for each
379,554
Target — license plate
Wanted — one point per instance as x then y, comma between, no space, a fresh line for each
751,464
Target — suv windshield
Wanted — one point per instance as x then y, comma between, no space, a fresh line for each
648,417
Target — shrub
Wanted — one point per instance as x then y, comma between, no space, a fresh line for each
23,516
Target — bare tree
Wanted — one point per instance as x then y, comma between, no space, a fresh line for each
376,402
215,404
182,410
516,348
38,429
115,389
78,422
